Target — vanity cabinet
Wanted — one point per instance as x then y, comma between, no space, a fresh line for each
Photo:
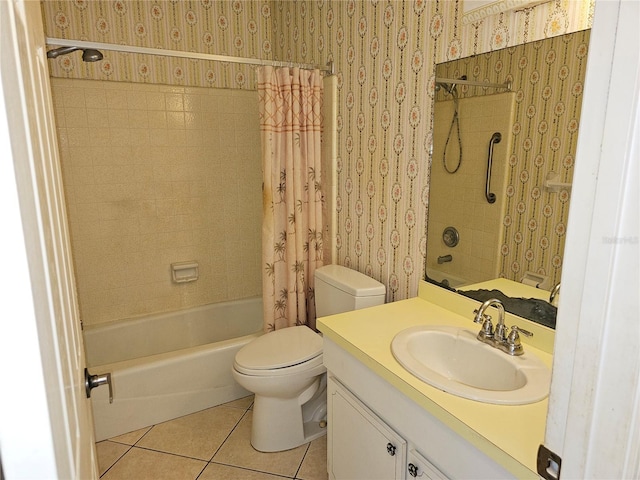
360,445
420,468
377,432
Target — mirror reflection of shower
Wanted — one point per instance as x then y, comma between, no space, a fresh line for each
88,54
451,89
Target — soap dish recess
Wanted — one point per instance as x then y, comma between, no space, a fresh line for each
183,272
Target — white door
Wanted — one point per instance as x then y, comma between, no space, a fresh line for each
593,421
46,428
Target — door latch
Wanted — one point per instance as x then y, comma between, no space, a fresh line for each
93,381
548,464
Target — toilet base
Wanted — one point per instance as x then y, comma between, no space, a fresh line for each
282,424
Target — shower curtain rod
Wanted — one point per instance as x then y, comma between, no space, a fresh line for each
62,42
471,83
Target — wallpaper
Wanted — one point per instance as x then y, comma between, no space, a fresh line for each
235,28
385,54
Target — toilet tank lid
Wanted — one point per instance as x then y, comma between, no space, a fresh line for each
281,348
350,281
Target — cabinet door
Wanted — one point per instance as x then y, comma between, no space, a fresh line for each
420,468
360,445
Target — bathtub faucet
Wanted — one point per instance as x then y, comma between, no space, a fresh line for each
444,258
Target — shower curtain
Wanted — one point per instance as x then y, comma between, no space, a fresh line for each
290,125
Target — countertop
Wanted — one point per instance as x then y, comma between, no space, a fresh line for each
509,434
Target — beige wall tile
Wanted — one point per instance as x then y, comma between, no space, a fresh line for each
152,192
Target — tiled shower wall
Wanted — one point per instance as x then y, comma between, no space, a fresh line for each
458,199
155,175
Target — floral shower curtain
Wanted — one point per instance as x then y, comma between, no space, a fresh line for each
290,125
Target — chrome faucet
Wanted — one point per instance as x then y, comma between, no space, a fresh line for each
554,292
498,338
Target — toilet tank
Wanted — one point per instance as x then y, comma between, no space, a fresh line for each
340,289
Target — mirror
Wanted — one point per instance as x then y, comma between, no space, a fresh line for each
504,141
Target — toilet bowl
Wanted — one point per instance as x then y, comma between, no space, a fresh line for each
284,368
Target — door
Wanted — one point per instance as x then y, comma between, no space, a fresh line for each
46,423
594,403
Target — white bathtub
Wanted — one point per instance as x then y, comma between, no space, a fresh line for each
447,278
169,365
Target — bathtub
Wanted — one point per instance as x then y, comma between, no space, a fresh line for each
169,365
446,279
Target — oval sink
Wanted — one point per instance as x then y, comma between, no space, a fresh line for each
455,361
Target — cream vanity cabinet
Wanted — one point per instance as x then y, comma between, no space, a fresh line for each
362,446
377,432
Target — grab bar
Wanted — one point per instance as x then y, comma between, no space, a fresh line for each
495,138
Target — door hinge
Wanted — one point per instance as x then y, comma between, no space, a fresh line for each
548,464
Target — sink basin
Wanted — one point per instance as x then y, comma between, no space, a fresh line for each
455,361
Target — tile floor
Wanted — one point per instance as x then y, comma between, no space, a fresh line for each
208,445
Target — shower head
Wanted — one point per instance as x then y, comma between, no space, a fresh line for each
88,54
91,55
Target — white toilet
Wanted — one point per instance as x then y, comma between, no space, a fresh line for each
284,368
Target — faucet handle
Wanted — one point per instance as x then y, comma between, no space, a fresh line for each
486,332
515,329
514,345
480,318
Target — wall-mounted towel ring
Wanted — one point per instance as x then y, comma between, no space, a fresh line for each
495,138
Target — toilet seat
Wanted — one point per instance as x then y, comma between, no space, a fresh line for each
282,352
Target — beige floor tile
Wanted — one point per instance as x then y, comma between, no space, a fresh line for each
314,465
198,435
244,403
237,451
109,453
216,471
140,464
132,437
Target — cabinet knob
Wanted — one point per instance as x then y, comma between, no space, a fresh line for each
391,449
413,470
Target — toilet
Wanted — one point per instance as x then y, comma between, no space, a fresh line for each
284,368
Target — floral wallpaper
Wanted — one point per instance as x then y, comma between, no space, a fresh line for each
235,28
385,54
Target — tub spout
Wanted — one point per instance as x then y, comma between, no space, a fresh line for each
444,258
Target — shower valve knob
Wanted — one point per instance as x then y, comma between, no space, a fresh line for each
93,381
